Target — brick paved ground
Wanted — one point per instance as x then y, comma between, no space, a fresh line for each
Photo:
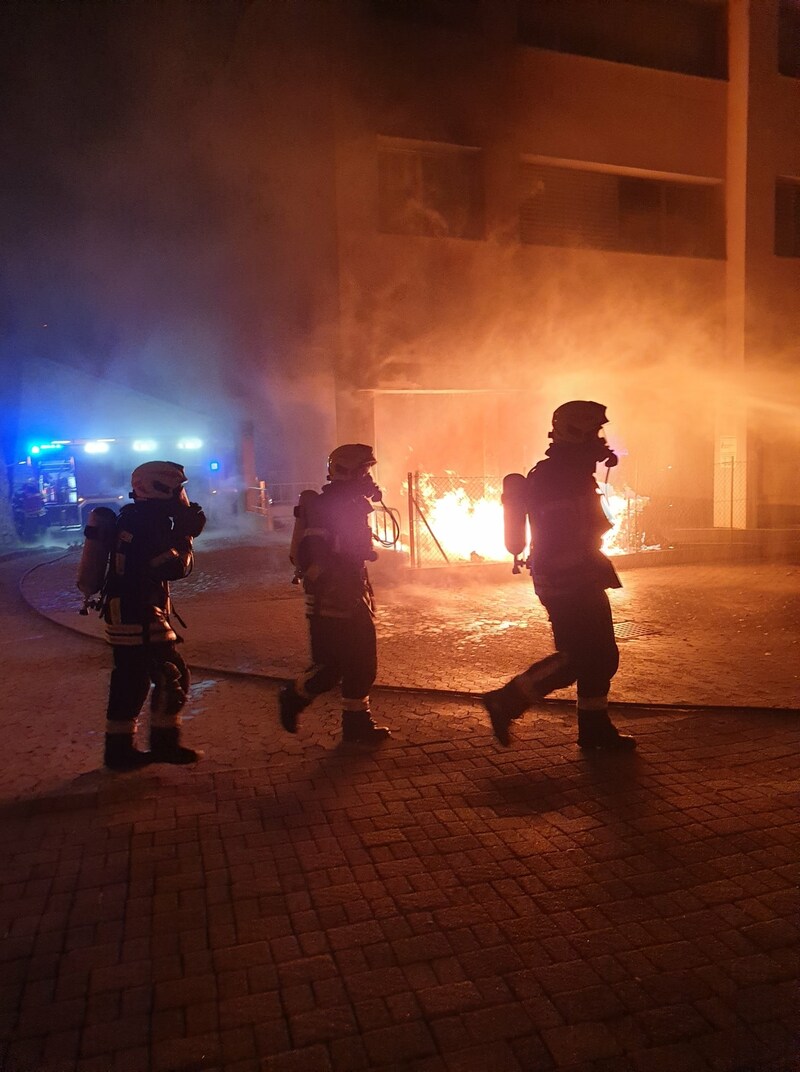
443,905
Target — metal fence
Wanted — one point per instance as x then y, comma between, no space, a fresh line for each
279,499
263,497
441,508
449,515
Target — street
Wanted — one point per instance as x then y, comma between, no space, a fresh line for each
440,904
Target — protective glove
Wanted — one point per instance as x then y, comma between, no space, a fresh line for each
189,520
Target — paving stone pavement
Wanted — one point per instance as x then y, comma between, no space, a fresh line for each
438,905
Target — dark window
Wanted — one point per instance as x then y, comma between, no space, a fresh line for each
604,210
787,218
434,190
687,36
679,219
789,38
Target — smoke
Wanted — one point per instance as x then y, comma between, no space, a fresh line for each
151,222
527,329
187,217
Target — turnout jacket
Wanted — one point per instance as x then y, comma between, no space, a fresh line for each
567,525
333,548
153,546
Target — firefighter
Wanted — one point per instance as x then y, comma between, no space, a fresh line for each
331,544
152,546
570,577
30,511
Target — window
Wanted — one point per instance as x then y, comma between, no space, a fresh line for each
430,189
563,206
787,217
789,38
686,36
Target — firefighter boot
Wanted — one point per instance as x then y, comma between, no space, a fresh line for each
121,755
165,747
358,727
504,705
290,704
596,730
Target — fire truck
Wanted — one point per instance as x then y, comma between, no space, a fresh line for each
75,475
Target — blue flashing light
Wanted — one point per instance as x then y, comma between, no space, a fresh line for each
214,466
40,448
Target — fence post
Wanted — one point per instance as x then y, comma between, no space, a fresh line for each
263,504
733,473
412,524
421,513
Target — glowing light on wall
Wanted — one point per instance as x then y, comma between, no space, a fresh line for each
190,443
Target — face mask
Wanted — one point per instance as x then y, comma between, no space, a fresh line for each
605,454
366,486
590,452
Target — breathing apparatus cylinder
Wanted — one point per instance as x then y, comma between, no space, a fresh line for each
300,526
101,527
515,516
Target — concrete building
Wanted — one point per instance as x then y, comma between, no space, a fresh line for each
515,202
538,200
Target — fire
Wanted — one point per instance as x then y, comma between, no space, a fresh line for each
469,527
624,511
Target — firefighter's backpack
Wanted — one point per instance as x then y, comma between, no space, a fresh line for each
301,511
98,544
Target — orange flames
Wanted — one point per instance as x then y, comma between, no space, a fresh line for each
471,528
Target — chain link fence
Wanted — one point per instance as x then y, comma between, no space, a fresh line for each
458,519
455,519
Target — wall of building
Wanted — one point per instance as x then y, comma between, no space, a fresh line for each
646,334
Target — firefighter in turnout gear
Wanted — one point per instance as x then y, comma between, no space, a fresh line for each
570,576
331,545
152,546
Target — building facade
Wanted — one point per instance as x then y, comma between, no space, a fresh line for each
423,224
547,199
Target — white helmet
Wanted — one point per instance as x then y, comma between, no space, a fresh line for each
157,480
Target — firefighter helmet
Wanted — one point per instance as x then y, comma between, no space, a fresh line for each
157,480
349,461
578,422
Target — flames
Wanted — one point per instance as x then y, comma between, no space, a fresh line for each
467,529
467,524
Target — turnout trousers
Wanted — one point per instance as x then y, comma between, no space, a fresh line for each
344,652
586,651
135,670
